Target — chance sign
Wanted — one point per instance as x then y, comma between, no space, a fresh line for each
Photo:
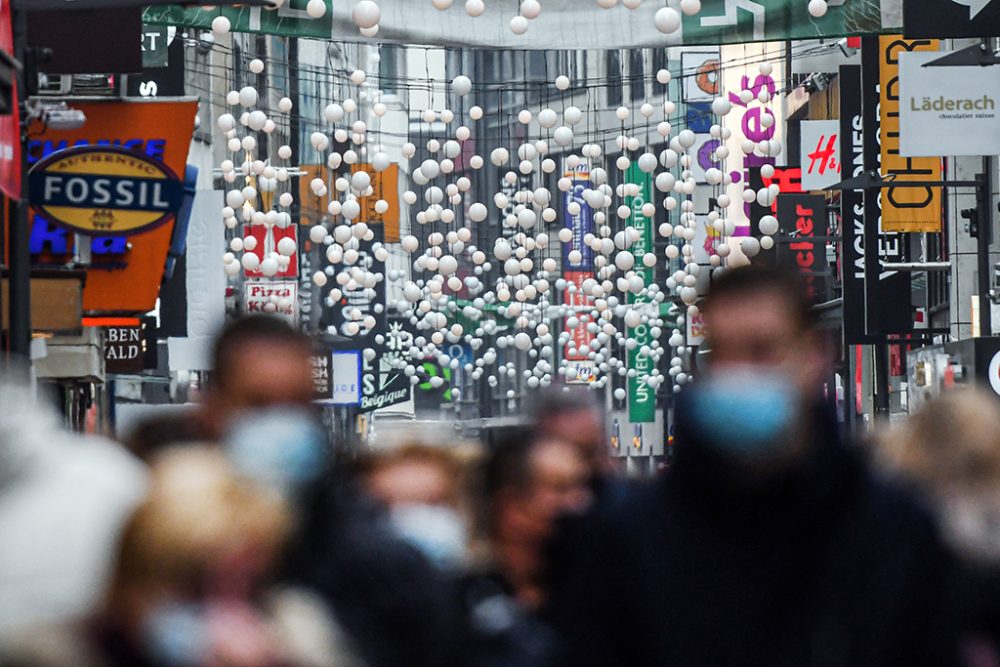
104,190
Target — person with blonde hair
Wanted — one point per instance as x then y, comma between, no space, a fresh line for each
192,585
951,450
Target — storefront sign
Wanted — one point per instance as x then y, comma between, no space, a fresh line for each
696,329
888,294
123,349
576,272
345,370
852,216
803,217
904,209
703,76
322,376
745,121
126,278
820,157
275,297
951,18
268,237
947,110
641,396
385,187
104,191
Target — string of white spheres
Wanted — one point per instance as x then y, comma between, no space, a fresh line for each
617,297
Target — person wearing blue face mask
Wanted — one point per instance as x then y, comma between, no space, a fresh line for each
769,541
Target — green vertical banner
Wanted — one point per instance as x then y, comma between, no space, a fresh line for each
641,397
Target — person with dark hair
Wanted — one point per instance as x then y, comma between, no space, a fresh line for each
259,363
769,541
527,485
574,415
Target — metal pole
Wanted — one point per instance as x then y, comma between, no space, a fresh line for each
983,197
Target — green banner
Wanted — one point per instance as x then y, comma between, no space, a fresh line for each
289,20
738,21
565,24
641,397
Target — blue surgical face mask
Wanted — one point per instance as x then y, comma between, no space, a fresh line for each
281,446
746,411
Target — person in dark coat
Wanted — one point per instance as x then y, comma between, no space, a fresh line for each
769,542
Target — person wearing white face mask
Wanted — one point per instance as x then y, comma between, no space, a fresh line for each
421,486
769,541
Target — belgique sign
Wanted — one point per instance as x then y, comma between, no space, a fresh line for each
104,190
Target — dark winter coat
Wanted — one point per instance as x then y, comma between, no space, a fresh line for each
822,565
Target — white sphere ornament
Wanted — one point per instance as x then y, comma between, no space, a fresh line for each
248,96
632,4
316,9
475,8
530,9
221,25
256,65
667,20
461,85
818,8
441,5
563,136
766,242
572,115
366,14
690,7
768,225
519,25
562,82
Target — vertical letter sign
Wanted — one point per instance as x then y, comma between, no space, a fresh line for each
641,396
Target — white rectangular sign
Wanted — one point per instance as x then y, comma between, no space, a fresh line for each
276,297
345,373
947,110
820,158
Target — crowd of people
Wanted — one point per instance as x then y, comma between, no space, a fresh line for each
226,538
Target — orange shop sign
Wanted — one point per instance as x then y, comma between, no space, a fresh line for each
158,129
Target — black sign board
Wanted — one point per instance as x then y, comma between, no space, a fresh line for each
950,18
88,41
124,349
383,382
801,218
322,384
163,66
852,159
367,301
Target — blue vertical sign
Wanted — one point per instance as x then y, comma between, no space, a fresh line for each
580,224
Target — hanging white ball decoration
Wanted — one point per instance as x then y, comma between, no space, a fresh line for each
366,14
475,8
818,8
690,7
667,20
221,25
316,9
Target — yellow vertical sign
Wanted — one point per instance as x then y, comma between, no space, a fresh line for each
904,209
385,186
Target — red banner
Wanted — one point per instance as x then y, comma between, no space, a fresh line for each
579,336
10,125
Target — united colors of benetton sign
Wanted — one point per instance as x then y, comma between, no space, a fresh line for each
104,190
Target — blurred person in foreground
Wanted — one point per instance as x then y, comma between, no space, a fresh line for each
574,415
951,449
193,583
768,542
64,500
424,489
527,485
261,381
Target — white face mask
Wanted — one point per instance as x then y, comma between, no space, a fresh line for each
439,533
283,447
